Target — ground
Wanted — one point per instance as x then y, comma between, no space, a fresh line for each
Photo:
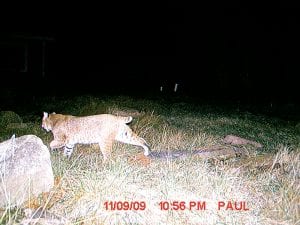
260,188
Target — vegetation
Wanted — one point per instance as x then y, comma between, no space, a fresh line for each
266,182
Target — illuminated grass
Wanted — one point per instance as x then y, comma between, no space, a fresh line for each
272,195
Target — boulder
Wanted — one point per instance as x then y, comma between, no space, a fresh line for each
25,170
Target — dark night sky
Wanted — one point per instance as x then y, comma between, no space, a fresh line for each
210,52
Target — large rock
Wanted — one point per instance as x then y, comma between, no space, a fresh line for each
25,169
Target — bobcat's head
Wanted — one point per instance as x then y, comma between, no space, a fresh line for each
46,122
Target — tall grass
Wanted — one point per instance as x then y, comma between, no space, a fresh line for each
271,193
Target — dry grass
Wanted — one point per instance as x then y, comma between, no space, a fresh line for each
267,181
272,195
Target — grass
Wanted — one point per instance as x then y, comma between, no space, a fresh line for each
84,183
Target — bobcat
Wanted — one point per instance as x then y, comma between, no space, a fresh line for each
103,129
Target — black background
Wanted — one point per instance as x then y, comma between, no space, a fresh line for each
222,53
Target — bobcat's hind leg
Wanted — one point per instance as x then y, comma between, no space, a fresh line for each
142,143
147,149
126,135
106,149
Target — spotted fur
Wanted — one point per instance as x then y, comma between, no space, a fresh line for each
102,129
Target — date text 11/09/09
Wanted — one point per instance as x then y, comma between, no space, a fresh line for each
125,205
175,205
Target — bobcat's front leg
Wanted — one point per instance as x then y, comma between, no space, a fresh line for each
68,150
56,144
59,141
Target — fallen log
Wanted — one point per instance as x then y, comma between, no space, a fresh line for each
216,152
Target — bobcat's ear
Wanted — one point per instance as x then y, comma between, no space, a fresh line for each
45,115
53,113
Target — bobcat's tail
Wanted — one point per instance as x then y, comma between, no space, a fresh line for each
126,119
